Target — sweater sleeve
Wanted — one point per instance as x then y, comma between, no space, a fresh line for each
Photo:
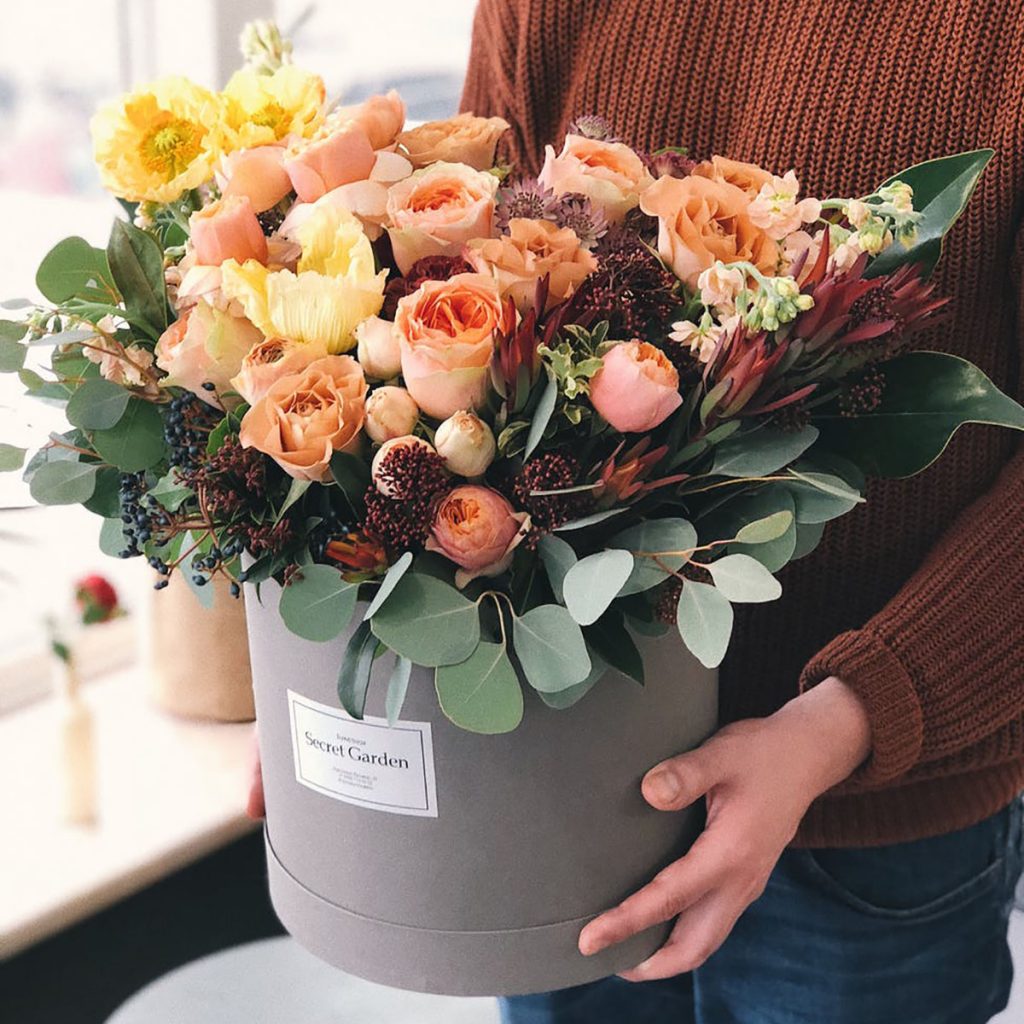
941,666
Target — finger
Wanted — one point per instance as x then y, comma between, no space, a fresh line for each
255,807
668,894
679,781
700,930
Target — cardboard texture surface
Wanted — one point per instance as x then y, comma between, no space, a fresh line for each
537,831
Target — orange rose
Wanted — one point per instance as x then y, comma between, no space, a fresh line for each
381,117
257,174
437,209
748,177
531,249
636,388
331,158
701,221
446,337
609,174
270,360
306,417
464,139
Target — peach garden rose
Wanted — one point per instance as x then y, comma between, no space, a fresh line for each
446,338
465,139
531,250
437,209
304,418
636,388
477,529
269,360
748,178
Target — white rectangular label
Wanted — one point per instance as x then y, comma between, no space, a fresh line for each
368,763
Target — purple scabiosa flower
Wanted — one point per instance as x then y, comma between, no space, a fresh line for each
526,198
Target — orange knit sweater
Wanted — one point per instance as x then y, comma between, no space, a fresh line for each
916,599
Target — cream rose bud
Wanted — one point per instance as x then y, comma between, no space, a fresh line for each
466,444
378,349
391,413
406,441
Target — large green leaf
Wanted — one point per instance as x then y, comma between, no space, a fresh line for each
482,694
388,584
557,557
942,189
398,686
743,579
63,483
541,416
137,264
97,405
926,398
75,269
654,535
550,648
105,499
593,583
136,442
768,500
761,452
761,531
428,621
356,666
704,619
11,458
112,537
12,355
821,497
574,694
319,604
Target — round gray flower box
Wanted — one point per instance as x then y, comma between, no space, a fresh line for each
430,858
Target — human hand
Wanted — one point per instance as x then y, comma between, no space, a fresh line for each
759,777
255,807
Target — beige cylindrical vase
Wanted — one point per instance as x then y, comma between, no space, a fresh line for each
198,658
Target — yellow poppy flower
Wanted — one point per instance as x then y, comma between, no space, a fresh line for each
335,287
156,143
262,109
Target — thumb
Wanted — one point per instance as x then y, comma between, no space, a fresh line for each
679,781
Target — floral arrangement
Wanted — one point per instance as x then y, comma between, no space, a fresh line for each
523,420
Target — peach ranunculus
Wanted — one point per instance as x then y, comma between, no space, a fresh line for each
306,417
609,174
334,156
381,117
465,139
636,388
531,250
205,346
270,360
227,230
701,221
257,173
437,209
446,336
478,530
749,178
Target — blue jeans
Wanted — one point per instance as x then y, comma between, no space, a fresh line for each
913,933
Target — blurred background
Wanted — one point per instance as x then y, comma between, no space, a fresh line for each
165,868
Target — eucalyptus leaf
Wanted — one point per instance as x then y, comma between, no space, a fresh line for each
550,647
808,537
319,604
557,557
591,520
740,578
541,416
12,355
398,686
170,492
821,497
566,698
63,482
296,490
927,397
136,442
665,535
763,530
428,621
356,666
105,499
761,452
482,694
704,619
594,582
75,269
97,404
388,584
11,458
613,643
112,538
942,188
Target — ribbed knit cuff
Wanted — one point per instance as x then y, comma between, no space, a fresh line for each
864,662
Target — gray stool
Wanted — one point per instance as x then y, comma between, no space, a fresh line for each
275,981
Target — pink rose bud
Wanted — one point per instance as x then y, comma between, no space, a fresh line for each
391,413
405,441
466,444
318,166
478,530
378,348
636,388
227,230
258,174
